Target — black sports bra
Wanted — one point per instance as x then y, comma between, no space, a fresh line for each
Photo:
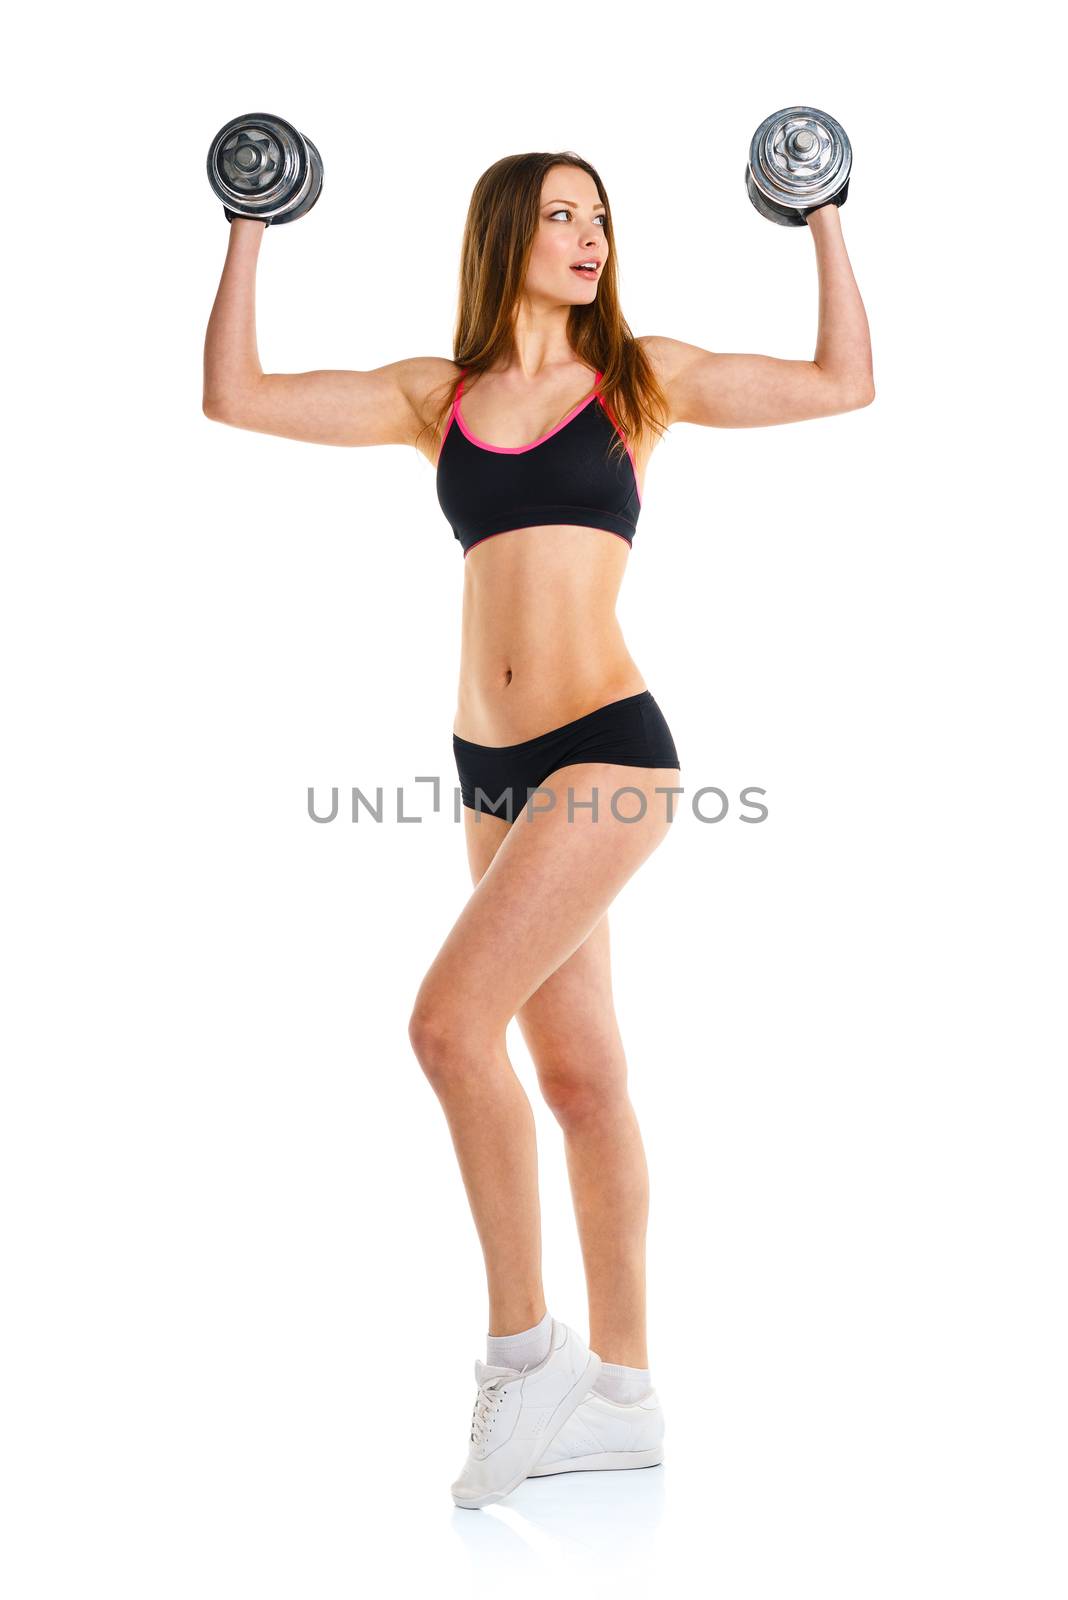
485,489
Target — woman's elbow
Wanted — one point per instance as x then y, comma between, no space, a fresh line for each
863,389
214,409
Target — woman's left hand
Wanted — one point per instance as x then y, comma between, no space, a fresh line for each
823,215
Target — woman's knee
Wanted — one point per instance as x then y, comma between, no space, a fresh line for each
579,1095
431,1034
446,1044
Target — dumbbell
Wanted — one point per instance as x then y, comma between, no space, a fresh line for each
261,167
799,160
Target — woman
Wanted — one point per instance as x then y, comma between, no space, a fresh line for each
541,432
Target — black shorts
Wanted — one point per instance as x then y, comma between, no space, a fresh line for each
630,732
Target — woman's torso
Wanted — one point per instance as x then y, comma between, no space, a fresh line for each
540,641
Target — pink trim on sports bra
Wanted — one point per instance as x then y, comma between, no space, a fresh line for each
521,449
515,449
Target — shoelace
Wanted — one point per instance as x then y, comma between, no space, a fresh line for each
488,1399
487,1403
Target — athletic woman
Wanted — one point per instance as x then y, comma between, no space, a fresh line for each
540,431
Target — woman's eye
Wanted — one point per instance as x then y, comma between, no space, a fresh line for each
566,213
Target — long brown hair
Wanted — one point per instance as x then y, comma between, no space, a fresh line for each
502,221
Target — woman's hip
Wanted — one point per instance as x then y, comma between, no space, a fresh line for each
632,731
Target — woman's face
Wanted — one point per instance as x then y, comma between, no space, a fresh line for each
571,227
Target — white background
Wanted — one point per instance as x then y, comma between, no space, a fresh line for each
244,1291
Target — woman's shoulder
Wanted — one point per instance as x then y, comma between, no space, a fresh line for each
423,377
428,382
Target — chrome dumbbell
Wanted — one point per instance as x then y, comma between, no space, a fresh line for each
799,159
261,167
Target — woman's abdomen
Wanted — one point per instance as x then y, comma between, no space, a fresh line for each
541,643
513,687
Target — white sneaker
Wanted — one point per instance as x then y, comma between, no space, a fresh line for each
518,1412
601,1433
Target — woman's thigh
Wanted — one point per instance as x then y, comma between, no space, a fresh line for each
569,1023
572,1032
549,881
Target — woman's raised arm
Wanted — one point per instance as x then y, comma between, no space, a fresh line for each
724,390
382,406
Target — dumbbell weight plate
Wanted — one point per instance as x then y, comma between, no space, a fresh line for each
799,159
312,190
261,167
